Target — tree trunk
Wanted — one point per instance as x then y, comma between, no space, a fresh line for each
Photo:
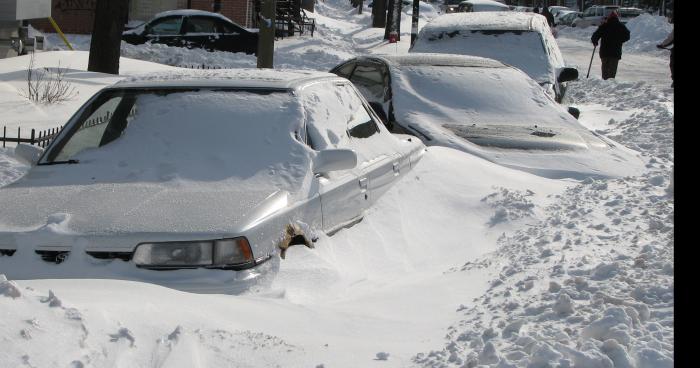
393,19
110,17
389,16
379,14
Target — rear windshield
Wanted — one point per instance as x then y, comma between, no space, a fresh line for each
521,49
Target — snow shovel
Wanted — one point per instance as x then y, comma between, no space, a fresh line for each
591,63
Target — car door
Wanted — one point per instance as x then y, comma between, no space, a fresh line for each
379,159
166,30
233,38
343,193
200,32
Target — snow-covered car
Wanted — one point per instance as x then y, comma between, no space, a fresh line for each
207,174
523,40
486,108
554,9
560,14
194,29
468,6
594,15
567,19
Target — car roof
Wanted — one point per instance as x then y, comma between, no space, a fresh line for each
189,12
484,2
228,78
521,21
435,59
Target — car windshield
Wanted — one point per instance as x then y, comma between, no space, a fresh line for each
491,101
522,49
180,132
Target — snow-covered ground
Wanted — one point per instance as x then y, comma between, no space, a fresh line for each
462,263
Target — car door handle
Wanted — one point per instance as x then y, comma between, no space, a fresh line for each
397,168
363,185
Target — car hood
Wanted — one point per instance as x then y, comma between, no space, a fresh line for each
127,208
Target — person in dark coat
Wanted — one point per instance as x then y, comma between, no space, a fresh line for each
668,42
547,14
612,34
536,10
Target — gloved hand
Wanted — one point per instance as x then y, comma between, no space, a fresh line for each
595,43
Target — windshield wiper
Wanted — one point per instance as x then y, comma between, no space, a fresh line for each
60,162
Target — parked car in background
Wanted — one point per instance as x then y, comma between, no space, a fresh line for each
627,14
594,15
554,9
566,19
486,108
526,9
523,40
481,5
204,174
449,6
194,29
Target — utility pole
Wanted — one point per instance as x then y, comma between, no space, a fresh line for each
110,17
414,21
266,34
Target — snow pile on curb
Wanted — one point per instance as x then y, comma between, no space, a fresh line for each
649,129
646,31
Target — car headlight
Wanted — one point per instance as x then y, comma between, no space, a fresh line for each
186,254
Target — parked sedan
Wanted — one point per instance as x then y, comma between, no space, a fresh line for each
568,19
195,29
205,175
523,40
486,108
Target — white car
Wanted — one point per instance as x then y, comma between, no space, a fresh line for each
594,15
468,6
196,180
486,108
523,40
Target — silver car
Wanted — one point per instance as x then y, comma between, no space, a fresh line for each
196,180
594,16
488,109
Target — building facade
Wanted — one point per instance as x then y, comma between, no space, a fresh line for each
77,16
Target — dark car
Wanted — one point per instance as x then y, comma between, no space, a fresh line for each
195,29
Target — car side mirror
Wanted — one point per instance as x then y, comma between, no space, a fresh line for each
29,153
567,74
334,160
574,112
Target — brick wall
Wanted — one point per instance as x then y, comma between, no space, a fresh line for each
77,16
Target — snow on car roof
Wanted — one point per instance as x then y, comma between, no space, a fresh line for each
485,20
441,59
254,78
190,12
486,2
